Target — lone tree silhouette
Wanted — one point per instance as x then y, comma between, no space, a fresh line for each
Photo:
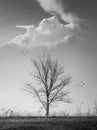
52,81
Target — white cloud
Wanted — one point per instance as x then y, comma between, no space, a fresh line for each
56,7
50,32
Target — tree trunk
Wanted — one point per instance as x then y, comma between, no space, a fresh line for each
47,109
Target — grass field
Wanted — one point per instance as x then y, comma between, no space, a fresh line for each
53,123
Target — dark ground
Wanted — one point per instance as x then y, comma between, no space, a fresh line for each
53,123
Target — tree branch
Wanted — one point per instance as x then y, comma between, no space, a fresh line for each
30,89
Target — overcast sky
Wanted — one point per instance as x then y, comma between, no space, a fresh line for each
66,29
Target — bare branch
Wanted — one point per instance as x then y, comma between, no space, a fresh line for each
31,90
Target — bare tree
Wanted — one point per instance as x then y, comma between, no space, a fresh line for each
51,82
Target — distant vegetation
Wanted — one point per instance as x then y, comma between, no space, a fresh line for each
9,113
78,113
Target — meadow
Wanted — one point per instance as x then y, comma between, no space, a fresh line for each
52,123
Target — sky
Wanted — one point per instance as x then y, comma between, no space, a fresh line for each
66,29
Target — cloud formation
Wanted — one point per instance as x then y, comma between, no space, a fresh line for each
56,7
50,32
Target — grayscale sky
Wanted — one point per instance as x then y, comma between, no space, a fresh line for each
66,29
